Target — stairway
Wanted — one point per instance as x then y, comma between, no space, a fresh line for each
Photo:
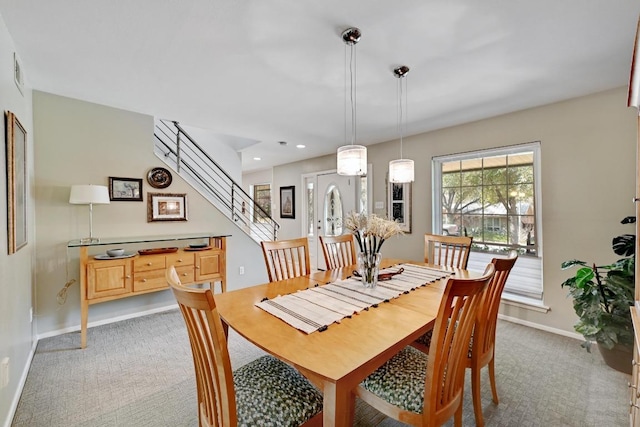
181,153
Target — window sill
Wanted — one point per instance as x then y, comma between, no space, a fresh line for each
524,302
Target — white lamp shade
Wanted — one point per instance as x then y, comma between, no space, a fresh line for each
401,171
352,160
89,194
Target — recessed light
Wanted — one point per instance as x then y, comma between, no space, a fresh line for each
300,146
257,158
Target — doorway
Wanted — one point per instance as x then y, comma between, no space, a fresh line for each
329,198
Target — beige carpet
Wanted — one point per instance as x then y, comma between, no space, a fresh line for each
139,372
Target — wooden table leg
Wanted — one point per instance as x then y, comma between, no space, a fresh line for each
338,405
84,303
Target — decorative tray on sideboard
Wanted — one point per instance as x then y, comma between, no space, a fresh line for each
156,251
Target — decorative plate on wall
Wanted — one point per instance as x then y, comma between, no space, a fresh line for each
159,178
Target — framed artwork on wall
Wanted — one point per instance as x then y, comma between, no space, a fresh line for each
125,189
288,202
399,204
166,207
16,149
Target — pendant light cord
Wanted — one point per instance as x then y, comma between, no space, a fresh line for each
352,92
402,111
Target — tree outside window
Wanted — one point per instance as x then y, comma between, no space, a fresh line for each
491,199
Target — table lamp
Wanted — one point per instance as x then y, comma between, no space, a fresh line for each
89,195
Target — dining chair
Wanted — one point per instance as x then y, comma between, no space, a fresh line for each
286,259
449,251
338,251
482,344
263,392
426,389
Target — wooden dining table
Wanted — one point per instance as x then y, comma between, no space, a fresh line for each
337,359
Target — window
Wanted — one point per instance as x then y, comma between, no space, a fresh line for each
262,198
493,196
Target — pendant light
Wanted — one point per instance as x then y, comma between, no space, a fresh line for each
352,159
401,170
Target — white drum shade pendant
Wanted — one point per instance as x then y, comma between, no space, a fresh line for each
401,170
352,159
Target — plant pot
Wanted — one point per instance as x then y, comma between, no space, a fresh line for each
618,358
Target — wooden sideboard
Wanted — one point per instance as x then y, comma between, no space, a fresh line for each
103,280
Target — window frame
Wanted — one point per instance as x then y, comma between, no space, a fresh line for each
255,188
527,280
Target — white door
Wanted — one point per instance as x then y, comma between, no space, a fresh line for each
334,199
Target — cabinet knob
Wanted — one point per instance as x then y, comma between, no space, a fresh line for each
144,280
197,267
180,260
149,264
128,276
185,274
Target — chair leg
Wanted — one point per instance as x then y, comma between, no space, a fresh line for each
475,391
492,379
457,417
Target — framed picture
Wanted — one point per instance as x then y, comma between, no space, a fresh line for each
16,140
125,189
288,202
399,205
166,207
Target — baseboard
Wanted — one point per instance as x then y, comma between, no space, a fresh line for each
107,321
556,331
21,383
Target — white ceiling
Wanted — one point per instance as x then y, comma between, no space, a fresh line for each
260,72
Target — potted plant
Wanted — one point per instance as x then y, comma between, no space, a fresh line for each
602,296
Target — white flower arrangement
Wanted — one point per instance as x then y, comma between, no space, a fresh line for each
371,231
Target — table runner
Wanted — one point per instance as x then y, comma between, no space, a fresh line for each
315,308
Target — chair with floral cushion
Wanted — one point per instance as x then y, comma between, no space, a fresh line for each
448,251
264,392
338,251
286,259
482,345
427,389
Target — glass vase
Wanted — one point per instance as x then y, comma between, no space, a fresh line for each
368,266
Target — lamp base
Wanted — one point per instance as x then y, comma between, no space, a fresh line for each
88,240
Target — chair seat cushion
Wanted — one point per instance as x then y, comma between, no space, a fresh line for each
401,380
272,393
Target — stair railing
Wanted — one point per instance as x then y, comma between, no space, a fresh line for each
179,150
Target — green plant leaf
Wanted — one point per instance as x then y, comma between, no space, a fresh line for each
624,245
571,263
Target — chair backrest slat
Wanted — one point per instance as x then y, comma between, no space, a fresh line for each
449,346
286,259
338,251
214,377
449,251
484,334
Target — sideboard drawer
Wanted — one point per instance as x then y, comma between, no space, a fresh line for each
144,281
149,262
179,259
186,274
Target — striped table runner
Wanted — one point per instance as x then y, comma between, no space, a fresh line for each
314,309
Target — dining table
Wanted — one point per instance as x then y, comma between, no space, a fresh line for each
340,356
